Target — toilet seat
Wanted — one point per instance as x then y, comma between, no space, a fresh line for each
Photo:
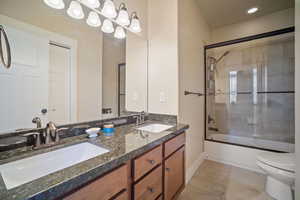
281,161
280,174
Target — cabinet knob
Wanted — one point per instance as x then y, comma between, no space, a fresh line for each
168,169
150,189
152,162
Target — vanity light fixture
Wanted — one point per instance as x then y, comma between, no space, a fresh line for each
252,10
109,9
123,17
107,26
75,10
92,3
135,25
57,4
120,33
93,19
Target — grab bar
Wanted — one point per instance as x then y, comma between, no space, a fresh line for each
8,64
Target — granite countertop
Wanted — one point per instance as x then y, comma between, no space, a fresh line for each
126,144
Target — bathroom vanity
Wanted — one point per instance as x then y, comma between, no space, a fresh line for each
138,165
142,177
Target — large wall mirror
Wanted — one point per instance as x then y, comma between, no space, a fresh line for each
66,71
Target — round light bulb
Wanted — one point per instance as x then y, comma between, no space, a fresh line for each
109,9
107,26
135,25
57,4
75,10
91,3
252,10
120,33
93,19
123,17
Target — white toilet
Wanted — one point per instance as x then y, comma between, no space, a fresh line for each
280,170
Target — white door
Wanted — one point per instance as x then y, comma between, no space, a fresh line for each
59,85
24,87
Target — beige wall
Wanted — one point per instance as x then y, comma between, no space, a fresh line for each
163,56
274,21
114,54
297,101
89,53
193,34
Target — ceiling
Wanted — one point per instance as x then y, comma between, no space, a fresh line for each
224,12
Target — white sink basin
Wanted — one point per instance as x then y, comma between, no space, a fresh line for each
23,171
155,128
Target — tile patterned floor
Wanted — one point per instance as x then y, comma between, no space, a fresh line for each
216,181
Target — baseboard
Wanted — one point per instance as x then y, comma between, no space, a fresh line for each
226,162
191,170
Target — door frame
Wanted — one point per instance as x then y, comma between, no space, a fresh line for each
119,85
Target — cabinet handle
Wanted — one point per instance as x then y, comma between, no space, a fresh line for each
168,169
152,162
150,189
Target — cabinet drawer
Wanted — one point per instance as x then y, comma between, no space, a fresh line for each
123,196
150,187
103,188
174,144
146,162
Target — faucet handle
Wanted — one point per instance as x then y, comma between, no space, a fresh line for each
31,134
37,138
37,121
57,133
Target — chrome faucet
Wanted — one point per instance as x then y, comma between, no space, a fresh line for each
36,135
48,137
140,118
52,133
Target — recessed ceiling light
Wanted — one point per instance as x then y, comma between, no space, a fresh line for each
252,10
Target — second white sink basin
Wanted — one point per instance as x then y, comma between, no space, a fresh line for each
28,169
155,128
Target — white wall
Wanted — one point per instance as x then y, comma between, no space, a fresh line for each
274,21
193,34
163,56
297,101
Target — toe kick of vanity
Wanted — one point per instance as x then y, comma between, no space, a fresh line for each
158,174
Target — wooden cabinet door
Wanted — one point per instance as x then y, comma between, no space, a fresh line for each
103,188
174,174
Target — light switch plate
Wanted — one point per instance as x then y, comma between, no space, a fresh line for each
162,97
135,96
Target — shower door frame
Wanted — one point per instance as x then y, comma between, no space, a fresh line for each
230,42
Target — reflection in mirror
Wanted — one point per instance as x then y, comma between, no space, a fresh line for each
66,71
